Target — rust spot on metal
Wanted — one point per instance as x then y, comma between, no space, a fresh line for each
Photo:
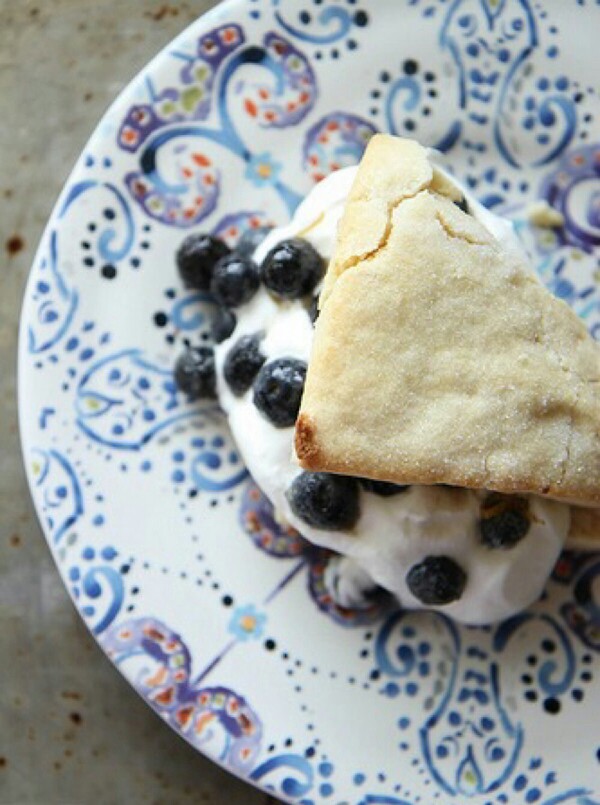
75,718
161,12
14,245
71,694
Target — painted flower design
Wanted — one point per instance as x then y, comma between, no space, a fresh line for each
247,623
262,170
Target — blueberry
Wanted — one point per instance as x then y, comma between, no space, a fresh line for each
223,324
251,240
436,580
242,363
197,257
278,390
235,280
504,520
382,488
325,501
195,372
292,269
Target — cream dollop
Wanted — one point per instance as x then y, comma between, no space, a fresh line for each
394,533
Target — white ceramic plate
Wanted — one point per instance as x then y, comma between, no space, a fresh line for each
217,616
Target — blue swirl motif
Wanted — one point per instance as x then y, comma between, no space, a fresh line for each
335,141
505,35
57,490
124,400
189,313
337,20
215,720
275,775
55,300
382,799
552,679
404,96
98,590
582,614
406,91
115,239
211,474
55,303
191,193
214,464
104,583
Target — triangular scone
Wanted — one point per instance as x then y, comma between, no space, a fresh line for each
438,357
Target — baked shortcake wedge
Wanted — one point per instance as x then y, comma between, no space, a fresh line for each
438,356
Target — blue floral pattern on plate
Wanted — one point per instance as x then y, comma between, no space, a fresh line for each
216,612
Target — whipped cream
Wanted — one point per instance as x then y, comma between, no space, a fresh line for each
393,533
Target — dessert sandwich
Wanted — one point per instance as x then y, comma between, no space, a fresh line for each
404,389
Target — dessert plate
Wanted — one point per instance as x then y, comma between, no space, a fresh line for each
215,612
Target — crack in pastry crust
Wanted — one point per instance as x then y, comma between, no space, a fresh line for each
367,221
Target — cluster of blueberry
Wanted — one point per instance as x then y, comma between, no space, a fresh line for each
332,502
292,271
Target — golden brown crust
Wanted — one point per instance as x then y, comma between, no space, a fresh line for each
438,357
306,445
